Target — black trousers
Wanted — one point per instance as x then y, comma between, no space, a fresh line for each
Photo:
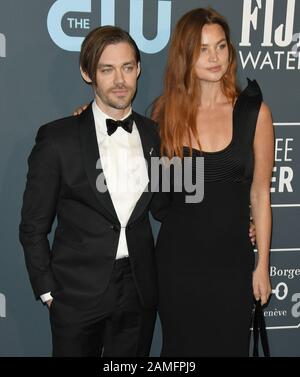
120,326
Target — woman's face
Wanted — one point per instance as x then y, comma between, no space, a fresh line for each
213,60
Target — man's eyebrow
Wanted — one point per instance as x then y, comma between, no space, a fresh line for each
102,65
221,40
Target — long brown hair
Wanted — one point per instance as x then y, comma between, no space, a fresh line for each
176,109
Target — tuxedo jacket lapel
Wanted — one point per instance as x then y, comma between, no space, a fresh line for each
90,151
91,155
149,150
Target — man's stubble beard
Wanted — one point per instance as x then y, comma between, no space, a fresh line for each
115,104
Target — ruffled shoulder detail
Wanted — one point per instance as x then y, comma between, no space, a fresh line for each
253,89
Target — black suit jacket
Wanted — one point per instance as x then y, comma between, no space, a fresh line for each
61,182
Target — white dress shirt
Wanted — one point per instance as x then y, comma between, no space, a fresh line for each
125,171
124,168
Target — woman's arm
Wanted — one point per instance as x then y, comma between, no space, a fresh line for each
260,200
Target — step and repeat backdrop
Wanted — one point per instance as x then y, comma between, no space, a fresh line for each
40,81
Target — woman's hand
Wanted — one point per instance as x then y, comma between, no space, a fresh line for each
79,110
261,284
252,232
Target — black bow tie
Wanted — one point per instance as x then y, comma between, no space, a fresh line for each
112,125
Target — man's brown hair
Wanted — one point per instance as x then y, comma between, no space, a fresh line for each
95,43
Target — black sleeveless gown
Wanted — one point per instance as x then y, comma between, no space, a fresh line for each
205,258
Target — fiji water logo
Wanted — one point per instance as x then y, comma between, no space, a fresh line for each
61,36
279,44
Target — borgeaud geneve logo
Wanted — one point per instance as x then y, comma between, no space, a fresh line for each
283,311
2,46
279,43
2,306
76,16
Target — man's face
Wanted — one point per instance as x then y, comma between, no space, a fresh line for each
116,77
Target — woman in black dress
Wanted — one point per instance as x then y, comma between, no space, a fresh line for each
206,266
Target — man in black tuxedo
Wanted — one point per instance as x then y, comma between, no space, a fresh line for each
90,172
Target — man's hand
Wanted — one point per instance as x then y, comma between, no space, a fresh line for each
79,110
252,233
49,303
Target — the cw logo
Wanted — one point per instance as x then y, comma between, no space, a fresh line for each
71,43
2,306
283,36
2,46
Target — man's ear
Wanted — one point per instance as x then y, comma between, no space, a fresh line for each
138,69
85,76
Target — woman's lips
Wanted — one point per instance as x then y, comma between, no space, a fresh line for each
215,69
